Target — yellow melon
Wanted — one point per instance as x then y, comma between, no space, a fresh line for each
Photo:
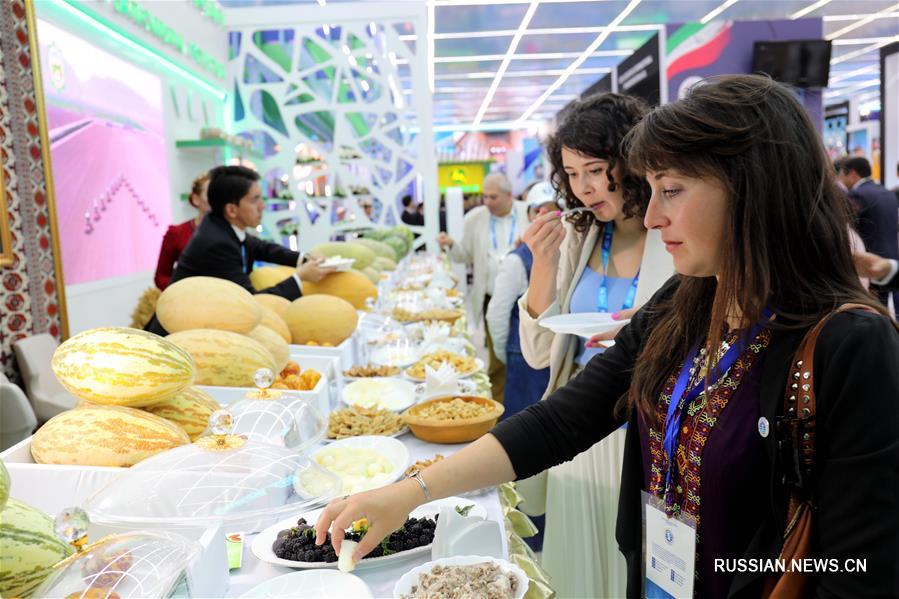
321,319
190,410
223,358
273,342
269,276
276,303
119,366
276,323
351,286
207,303
104,436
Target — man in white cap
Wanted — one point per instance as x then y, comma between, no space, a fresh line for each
490,232
524,385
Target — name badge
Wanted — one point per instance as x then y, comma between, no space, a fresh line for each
669,561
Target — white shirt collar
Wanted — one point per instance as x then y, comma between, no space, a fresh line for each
241,234
860,182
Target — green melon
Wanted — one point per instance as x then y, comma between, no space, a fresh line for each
399,245
373,275
361,255
384,263
30,549
381,249
4,485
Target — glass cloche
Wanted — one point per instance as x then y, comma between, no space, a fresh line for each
271,416
221,478
140,564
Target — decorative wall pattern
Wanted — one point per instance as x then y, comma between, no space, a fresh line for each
30,302
344,141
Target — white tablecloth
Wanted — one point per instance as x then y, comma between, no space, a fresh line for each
380,579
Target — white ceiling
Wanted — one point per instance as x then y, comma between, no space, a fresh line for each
494,60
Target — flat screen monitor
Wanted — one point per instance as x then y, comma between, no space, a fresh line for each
803,63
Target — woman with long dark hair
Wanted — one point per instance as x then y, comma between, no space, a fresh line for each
746,203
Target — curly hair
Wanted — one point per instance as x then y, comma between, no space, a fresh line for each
595,127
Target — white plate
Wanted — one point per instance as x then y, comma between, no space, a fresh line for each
262,544
582,324
309,584
394,451
463,387
391,355
391,393
398,433
409,579
480,366
338,263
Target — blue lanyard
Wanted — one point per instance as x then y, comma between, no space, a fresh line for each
511,231
243,255
680,402
602,302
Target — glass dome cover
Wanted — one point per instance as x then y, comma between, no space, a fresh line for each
140,564
270,416
221,478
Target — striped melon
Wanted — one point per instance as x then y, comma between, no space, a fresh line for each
4,485
224,358
269,276
207,303
361,255
381,249
321,319
276,323
352,286
373,274
274,343
275,303
382,263
104,436
123,367
28,549
190,410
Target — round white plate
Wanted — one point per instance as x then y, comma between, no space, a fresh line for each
389,355
398,433
262,544
394,451
582,324
310,584
339,264
463,387
480,366
390,393
409,579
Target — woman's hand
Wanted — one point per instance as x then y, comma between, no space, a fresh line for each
544,237
313,271
386,510
597,340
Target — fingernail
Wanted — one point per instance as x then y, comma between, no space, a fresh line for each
558,213
616,316
588,345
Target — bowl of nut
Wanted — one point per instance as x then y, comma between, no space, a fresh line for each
453,419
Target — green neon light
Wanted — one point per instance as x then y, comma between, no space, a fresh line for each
106,27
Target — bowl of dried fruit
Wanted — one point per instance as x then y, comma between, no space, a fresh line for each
453,419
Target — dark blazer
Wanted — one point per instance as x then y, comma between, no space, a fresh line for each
877,215
857,481
214,251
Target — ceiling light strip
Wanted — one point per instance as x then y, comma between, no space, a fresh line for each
535,56
724,6
600,39
860,22
832,18
865,50
854,73
507,59
808,9
431,44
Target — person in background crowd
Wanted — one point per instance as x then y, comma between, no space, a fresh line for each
882,271
524,385
700,373
412,212
367,207
877,213
221,246
489,234
177,237
601,260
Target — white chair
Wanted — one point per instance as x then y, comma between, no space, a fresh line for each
17,420
47,396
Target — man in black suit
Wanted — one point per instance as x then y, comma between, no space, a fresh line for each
222,248
877,212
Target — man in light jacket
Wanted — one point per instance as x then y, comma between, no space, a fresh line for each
490,232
